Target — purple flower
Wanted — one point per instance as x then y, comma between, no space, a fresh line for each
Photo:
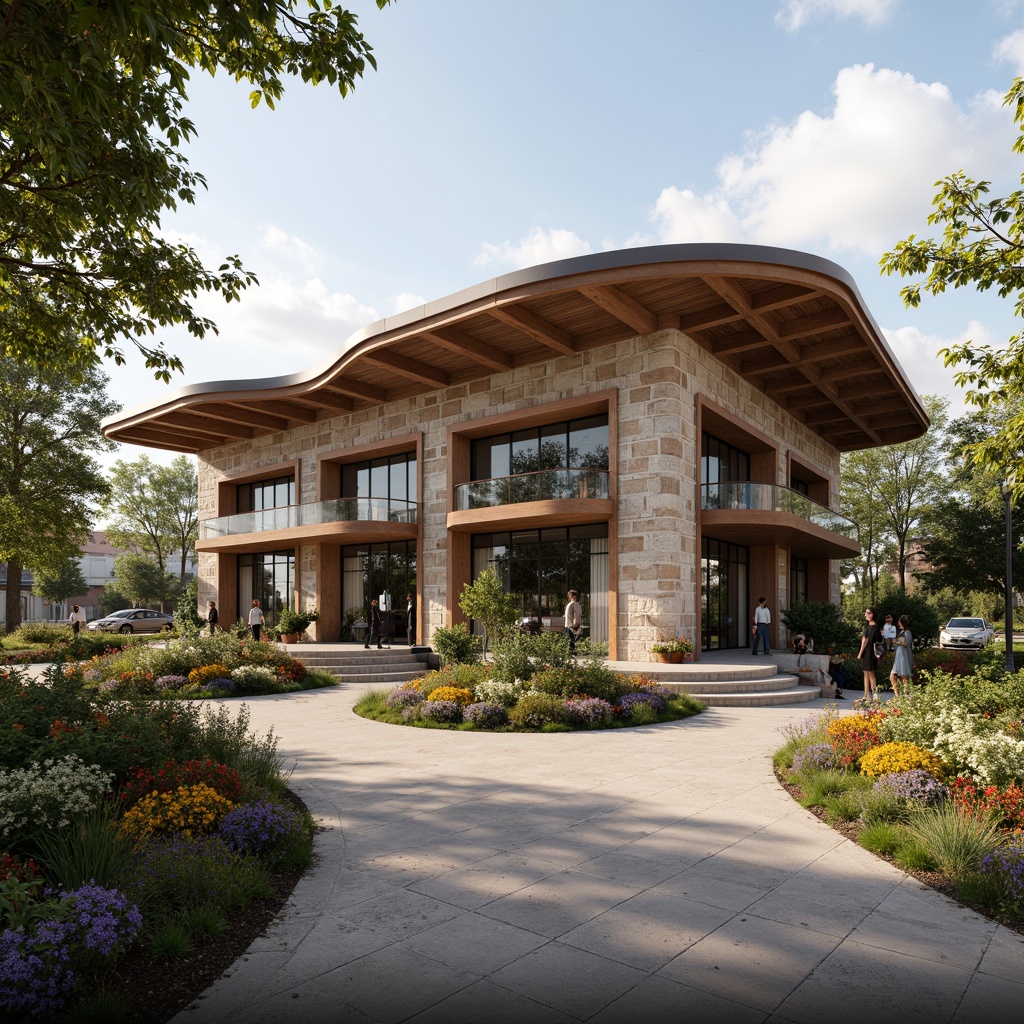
170,682
1007,865
815,757
486,716
220,685
915,785
441,710
403,697
259,827
654,701
104,919
589,711
35,972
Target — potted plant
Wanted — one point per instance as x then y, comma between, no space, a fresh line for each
291,624
662,652
683,647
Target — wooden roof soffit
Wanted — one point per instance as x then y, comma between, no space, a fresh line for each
329,400
454,340
291,410
355,389
411,368
622,306
536,327
239,414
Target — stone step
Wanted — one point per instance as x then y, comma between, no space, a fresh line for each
791,695
765,684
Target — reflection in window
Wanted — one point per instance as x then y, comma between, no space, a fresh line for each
370,570
724,601
269,577
392,478
797,579
574,444
262,494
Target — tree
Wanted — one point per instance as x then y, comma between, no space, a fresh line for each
91,123
903,480
49,427
485,601
141,580
154,509
60,583
982,245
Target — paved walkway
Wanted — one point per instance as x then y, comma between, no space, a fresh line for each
655,874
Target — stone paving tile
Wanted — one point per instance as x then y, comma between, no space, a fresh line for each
487,880
658,1000
474,943
703,884
858,983
558,903
754,962
1003,956
920,922
395,983
404,867
987,999
488,1002
624,865
568,979
648,930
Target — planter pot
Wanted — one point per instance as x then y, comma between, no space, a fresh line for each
675,658
688,656
663,657
289,638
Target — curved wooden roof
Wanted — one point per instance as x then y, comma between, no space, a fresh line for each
792,325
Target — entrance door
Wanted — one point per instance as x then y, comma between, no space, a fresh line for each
724,595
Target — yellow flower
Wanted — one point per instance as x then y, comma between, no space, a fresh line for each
902,757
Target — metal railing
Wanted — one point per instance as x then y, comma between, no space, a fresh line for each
336,510
775,498
543,485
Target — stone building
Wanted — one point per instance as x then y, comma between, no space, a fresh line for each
659,428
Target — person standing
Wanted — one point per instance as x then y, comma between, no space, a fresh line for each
256,619
762,622
410,620
872,647
903,662
77,619
212,616
888,633
375,626
573,620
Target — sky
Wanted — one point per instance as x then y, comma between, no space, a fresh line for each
503,134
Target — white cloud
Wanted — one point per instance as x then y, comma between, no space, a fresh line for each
291,249
539,246
404,300
917,351
1010,50
857,178
794,14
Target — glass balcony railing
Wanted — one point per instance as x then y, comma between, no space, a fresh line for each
543,485
337,510
773,498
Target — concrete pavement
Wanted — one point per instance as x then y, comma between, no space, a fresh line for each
651,874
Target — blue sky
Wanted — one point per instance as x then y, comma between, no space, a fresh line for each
507,133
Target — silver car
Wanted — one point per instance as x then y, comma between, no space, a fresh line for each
963,633
132,620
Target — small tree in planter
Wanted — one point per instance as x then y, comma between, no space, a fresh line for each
486,601
294,624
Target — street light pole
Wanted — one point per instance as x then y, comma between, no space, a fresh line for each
1007,492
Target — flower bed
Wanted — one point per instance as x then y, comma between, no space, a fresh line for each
175,814
934,780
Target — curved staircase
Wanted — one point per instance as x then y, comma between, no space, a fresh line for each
354,665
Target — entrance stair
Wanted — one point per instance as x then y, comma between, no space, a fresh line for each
354,665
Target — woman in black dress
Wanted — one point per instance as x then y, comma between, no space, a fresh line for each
870,636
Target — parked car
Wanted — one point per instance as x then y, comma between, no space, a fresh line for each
132,620
965,634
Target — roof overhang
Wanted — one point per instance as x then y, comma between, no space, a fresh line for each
792,325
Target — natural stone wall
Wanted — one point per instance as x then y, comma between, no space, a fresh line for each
658,378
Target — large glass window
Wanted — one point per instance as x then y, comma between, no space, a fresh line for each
392,478
722,463
724,619
575,444
797,579
268,577
540,566
386,572
262,494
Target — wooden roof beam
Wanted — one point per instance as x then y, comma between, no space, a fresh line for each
764,362
814,324
710,316
780,296
328,399
171,437
622,306
241,414
215,428
454,340
356,389
815,353
807,401
411,368
291,411
742,341
536,327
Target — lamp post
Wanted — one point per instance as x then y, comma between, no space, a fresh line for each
1007,491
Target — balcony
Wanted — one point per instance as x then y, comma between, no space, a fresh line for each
548,497
350,520
754,513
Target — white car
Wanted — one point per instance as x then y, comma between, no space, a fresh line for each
965,634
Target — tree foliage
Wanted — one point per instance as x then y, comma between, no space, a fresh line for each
486,601
92,98
141,580
58,583
154,509
982,245
49,429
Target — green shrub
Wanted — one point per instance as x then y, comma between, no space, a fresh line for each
456,644
170,940
824,623
912,856
588,680
538,709
203,922
818,787
882,808
90,849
